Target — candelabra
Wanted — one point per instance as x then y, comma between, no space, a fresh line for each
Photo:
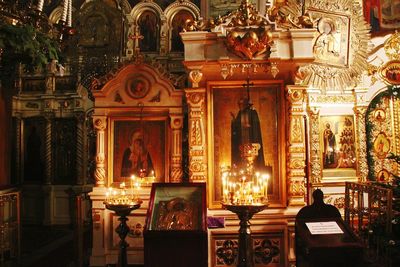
122,204
123,210
245,198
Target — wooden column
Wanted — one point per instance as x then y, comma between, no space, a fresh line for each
361,140
80,120
297,149
176,172
197,135
315,158
100,124
48,148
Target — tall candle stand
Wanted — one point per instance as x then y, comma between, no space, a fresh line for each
123,210
245,213
246,198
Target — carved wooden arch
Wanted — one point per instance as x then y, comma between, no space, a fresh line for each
135,14
173,9
155,79
115,102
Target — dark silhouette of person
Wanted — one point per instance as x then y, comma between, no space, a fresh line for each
136,160
34,170
245,129
318,209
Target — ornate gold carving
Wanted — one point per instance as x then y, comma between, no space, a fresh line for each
100,124
196,166
392,46
249,44
390,72
195,133
195,77
296,133
335,99
289,14
295,95
361,139
315,149
338,69
296,188
195,98
296,163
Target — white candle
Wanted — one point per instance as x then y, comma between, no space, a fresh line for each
65,10
70,13
40,5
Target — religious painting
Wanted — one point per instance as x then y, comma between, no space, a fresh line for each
382,15
337,142
379,115
137,87
240,117
177,25
381,145
223,7
383,176
390,72
177,207
95,31
149,25
139,148
332,44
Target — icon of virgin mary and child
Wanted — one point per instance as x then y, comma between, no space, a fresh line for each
136,159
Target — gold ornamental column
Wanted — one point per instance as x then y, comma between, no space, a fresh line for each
361,141
315,147
197,135
297,149
100,124
176,172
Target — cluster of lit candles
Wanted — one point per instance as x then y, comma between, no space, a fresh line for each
127,195
241,188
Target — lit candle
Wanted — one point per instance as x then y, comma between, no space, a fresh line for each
40,5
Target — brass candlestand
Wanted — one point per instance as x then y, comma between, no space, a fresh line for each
123,210
248,197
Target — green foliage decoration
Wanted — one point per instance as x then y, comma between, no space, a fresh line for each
27,45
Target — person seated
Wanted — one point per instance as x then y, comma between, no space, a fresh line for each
318,209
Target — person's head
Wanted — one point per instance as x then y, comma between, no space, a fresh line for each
136,140
328,126
318,196
244,103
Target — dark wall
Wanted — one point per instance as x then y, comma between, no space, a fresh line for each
5,137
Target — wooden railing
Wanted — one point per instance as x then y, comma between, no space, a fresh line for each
10,232
368,212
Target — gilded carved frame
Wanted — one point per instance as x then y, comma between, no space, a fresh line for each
278,198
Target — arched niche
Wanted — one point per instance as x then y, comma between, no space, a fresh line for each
137,98
148,20
176,15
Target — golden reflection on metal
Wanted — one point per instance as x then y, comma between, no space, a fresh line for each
252,44
349,63
246,15
289,14
392,47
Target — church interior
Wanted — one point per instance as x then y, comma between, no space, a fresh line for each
112,122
